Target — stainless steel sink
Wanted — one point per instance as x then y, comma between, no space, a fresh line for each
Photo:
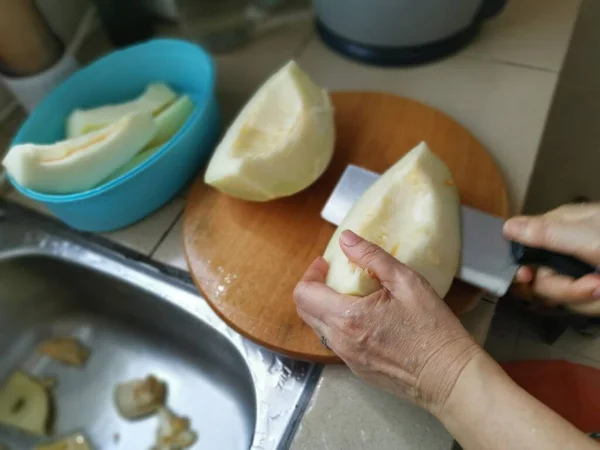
139,318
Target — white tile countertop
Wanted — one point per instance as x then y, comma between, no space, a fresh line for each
500,89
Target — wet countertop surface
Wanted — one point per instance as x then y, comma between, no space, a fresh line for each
500,88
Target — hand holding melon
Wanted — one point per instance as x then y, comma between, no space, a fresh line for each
412,212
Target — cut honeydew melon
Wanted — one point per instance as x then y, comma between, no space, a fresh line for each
280,143
169,121
25,404
413,212
168,124
134,162
81,163
154,99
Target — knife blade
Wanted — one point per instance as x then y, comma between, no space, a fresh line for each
488,261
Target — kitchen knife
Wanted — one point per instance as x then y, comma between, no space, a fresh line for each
488,261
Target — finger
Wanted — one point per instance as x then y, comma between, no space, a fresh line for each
563,289
320,328
586,309
525,275
574,212
319,300
547,232
317,271
371,257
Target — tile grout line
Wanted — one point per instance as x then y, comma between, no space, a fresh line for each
166,233
297,53
303,45
510,63
576,353
563,354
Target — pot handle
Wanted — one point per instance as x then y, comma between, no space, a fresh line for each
491,8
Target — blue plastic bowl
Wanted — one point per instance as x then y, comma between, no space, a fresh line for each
118,77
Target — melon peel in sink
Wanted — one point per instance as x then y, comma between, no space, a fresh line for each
25,404
281,142
81,163
413,212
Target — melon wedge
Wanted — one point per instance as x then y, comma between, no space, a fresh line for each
154,99
81,163
280,143
168,124
134,162
413,212
169,121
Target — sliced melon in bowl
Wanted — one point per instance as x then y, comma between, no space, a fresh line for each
154,99
138,159
168,124
171,119
78,164
413,212
281,142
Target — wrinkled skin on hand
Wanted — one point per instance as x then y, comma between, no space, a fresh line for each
403,338
573,230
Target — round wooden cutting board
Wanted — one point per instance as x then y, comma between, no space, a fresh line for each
246,258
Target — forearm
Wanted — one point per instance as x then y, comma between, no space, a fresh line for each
487,410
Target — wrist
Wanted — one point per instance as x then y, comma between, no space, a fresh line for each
439,377
479,371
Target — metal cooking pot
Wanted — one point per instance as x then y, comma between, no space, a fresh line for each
401,32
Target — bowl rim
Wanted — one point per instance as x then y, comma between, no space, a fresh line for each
199,109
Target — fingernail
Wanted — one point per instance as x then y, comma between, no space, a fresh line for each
516,226
349,238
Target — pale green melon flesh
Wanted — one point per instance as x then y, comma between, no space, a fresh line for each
412,211
153,100
281,142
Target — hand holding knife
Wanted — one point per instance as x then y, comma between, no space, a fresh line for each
488,259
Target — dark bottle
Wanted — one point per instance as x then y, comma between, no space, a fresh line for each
126,21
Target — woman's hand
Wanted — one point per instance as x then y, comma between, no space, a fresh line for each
573,230
402,338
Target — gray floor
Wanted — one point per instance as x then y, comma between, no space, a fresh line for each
512,337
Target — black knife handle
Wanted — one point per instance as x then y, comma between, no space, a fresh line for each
566,265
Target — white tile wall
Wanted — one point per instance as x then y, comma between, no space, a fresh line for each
532,33
569,157
503,105
569,154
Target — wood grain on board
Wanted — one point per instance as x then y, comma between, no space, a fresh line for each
246,258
